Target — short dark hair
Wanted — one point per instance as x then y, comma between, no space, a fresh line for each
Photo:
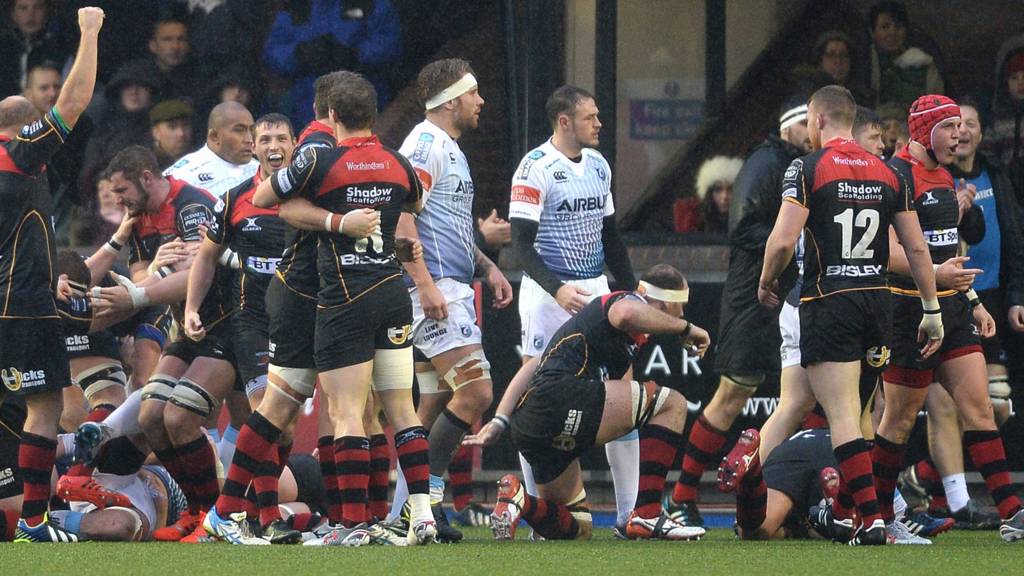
273,119
896,10
564,101
73,265
438,75
132,162
43,65
167,20
865,117
836,103
664,276
354,101
971,101
322,94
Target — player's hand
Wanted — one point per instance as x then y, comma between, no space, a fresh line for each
111,301
433,303
496,231
1016,317
487,436
767,296
64,291
408,249
361,223
697,338
983,320
572,298
194,326
929,333
170,254
500,287
952,275
90,19
124,229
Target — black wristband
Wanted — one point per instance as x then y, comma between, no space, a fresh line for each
939,311
115,244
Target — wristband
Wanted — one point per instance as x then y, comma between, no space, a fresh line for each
500,421
931,306
329,223
229,258
972,298
113,246
163,272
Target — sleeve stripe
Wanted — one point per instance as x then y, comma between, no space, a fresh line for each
62,126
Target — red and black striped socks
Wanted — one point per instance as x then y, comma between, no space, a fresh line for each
886,460
659,447
328,470
986,450
855,468
254,445
380,466
200,462
352,462
752,497
460,477
550,520
413,456
702,450
36,455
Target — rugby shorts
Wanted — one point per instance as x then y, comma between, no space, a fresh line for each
789,329
540,316
349,334
33,356
847,327
291,319
960,337
433,337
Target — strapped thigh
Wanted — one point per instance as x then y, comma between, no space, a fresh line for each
647,400
473,367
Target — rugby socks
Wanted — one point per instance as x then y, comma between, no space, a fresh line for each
414,461
254,447
954,491
98,413
125,420
986,450
325,453
624,462
529,484
550,520
36,455
445,438
752,497
8,524
658,449
266,484
855,467
352,462
460,477
226,445
843,506
200,462
380,465
702,449
171,461
887,460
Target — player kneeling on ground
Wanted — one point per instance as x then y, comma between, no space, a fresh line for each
578,394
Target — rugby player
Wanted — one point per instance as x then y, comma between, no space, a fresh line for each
578,394
960,364
845,196
564,233
33,360
364,312
455,387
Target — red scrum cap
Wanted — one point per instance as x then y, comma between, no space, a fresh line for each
926,113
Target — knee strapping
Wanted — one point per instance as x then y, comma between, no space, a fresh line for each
301,380
100,377
160,387
392,369
191,396
647,400
473,367
136,521
427,382
999,389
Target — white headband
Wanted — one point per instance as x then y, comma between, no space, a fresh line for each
792,116
460,87
664,294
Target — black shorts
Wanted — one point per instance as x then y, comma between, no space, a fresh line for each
379,320
846,327
750,339
216,344
291,320
33,356
556,422
152,323
993,348
309,482
12,421
251,345
960,338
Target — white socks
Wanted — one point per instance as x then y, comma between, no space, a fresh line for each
624,461
955,486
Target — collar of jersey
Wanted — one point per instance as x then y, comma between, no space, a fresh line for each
355,142
578,168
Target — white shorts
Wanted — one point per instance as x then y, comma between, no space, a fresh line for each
789,326
540,315
433,337
135,488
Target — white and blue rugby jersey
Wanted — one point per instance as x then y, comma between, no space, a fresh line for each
569,201
204,169
445,225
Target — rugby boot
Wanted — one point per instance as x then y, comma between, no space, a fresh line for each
976,516
505,517
1010,531
660,528
279,532
45,531
85,489
923,524
341,536
446,533
472,515
874,535
828,481
231,528
897,533
822,521
735,464
89,437
379,535
685,513
187,522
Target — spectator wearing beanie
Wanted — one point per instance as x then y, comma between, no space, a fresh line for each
708,209
170,123
898,72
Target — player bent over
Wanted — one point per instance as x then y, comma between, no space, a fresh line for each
577,395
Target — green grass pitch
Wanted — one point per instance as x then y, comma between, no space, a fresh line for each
954,553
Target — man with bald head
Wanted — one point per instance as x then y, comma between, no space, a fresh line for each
33,359
226,160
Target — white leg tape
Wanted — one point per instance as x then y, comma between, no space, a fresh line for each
999,389
192,397
647,400
160,387
300,380
256,385
100,377
427,382
393,369
473,367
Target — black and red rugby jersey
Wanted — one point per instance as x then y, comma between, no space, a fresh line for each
358,173
297,267
257,237
588,346
934,196
28,277
852,196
